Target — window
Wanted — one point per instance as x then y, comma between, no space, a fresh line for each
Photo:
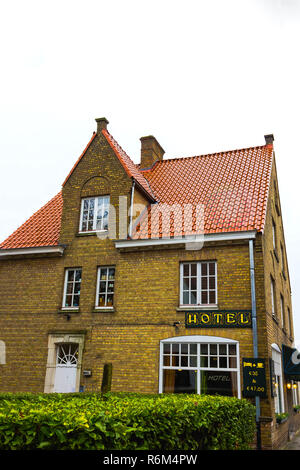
282,259
94,214
198,283
274,234
105,287
72,288
282,311
203,365
278,383
273,298
290,322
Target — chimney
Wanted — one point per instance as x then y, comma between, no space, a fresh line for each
101,124
269,138
151,151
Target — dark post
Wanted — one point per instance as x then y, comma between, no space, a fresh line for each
106,378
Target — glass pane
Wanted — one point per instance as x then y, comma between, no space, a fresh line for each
101,300
175,348
92,203
68,301
223,349
78,275
184,361
204,283
70,288
203,348
193,361
203,361
232,362
186,270
219,383
175,381
84,227
71,275
103,274
110,299
110,287
166,360
211,269
76,301
184,348
193,283
232,349
204,297
193,298
90,225
175,361
186,285
212,297
102,287
212,283
111,273
223,362
213,361
77,288
193,348
204,269
166,348
85,204
213,349
186,300
193,270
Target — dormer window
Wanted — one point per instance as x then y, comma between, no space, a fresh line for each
94,214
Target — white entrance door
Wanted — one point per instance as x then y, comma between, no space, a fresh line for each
66,368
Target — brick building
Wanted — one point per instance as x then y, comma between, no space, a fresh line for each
166,270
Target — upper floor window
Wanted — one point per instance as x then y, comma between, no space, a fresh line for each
273,298
198,283
105,287
72,288
274,234
94,214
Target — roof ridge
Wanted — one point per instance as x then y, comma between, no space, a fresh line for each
205,155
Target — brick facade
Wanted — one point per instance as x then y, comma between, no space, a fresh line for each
146,300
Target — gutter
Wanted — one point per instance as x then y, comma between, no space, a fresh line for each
33,251
210,237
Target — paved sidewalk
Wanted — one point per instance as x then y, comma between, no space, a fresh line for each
294,444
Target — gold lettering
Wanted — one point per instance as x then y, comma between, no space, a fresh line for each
217,317
207,318
244,318
230,318
192,318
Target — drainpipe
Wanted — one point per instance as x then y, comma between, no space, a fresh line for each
131,209
254,333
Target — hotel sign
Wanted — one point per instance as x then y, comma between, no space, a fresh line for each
218,319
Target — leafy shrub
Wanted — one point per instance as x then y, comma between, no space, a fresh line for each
123,421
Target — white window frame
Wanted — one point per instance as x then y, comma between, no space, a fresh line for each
279,398
199,286
197,339
64,307
105,307
96,202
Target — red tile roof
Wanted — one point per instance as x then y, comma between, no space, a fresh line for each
232,186
41,229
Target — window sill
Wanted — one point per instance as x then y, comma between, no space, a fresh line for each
90,233
103,310
69,310
183,308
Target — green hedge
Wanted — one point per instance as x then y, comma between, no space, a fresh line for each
119,421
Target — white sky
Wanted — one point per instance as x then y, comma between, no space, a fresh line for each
202,76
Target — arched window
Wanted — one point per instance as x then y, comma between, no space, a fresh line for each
200,364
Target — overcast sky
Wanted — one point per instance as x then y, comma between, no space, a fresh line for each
202,76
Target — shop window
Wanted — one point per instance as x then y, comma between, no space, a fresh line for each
277,379
198,283
72,288
105,287
202,365
94,214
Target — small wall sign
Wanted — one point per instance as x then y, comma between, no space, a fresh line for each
218,319
254,377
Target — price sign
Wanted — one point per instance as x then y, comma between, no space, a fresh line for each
254,377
